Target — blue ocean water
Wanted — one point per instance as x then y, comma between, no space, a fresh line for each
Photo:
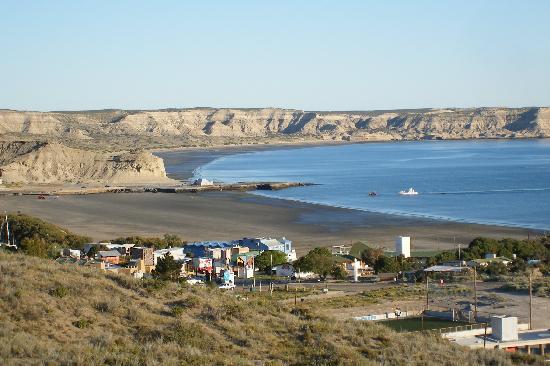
504,182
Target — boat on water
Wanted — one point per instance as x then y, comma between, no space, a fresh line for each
409,192
372,194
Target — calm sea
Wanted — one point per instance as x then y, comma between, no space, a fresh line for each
491,182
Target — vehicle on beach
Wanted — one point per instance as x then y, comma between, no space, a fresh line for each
227,286
409,192
47,197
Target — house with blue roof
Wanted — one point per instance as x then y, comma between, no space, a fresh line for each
201,248
261,244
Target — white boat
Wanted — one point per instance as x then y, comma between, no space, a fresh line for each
410,192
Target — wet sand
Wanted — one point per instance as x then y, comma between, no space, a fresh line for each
232,215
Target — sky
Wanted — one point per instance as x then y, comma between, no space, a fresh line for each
310,55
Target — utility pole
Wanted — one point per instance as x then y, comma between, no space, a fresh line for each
530,300
427,293
475,293
271,274
253,273
459,254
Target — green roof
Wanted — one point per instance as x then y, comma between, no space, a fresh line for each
357,248
247,255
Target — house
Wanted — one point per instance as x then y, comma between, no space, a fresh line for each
363,268
109,256
244,259
446,269
203,248
261,244
203,182
144,253
489,258
202,264
86,248
124,249
177,253
73,253
341,249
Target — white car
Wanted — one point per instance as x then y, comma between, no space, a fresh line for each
195,281
227,286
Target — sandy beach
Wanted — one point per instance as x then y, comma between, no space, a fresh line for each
231,215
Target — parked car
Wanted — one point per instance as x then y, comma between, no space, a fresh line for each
195,281
227,286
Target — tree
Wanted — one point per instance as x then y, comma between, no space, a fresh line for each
40,238
263,261
168,240
167,268
386,264
518,265
446,256
94,249
35,246
338,272
495,269
92,252
370,255
318,260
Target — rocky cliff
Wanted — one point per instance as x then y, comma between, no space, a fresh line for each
206,126
53,163
82,146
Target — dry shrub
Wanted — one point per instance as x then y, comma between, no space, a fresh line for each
108,320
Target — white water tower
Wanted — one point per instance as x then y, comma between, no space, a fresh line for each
403,246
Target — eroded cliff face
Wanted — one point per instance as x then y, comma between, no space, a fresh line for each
84,147
166,128
31,162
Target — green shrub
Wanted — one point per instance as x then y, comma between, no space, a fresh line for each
82,323
59,291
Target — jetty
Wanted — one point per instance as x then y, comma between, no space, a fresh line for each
46,192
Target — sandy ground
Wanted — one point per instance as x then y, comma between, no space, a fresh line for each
491,300
232,215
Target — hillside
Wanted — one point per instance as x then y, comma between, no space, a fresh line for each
114,129
64,314
54,163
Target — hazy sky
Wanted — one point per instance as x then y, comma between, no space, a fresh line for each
313,55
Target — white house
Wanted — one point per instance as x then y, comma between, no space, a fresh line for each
260,244
73,253
176,253
203,182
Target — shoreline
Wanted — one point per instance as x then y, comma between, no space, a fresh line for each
233,215
196,157
206,156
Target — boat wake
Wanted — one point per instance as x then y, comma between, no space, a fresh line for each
492,191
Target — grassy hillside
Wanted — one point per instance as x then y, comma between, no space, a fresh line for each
63,314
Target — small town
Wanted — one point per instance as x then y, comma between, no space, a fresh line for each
275,183
243,265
